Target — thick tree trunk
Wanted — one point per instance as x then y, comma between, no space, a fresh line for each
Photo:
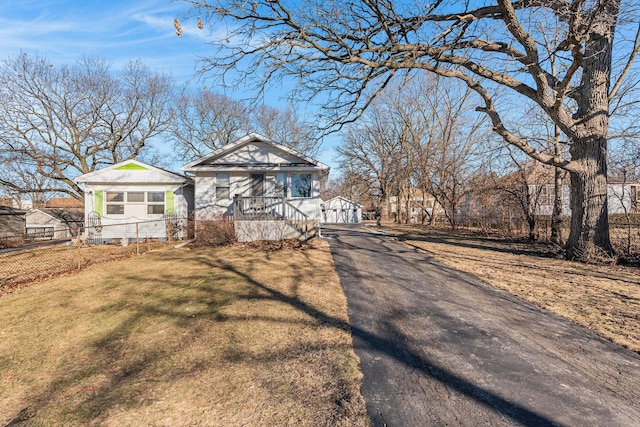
589,236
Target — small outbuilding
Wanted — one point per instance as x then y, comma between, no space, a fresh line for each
53,223
340,210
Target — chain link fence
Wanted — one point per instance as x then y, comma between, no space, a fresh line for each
36,255
624,230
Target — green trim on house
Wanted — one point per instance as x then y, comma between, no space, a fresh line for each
131,167
169,201
98,201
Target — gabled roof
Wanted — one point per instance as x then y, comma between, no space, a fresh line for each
278,155
63,215
341,199
132,172
7,210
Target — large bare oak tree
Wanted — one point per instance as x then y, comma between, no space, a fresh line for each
339,48
57,122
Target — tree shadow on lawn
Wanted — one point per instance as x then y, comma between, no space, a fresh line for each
114,371
472,241
398,349
128,385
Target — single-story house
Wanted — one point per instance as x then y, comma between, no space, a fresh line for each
132,198
270,190
53,223
341,210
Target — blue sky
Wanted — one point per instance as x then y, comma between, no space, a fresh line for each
116,30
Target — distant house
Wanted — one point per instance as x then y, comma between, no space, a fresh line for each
132,195
270,190
340,210
53,223
12,221
622,195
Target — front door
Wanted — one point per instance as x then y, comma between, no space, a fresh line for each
257,184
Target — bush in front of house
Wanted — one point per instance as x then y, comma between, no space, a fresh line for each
218,232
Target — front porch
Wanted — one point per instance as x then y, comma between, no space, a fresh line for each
268,218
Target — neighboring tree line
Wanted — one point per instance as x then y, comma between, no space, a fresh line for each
57,122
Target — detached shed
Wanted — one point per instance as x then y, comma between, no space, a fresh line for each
341,211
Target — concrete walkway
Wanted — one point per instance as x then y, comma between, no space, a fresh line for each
438,347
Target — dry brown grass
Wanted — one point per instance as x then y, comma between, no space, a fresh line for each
226,336
20,267
603,298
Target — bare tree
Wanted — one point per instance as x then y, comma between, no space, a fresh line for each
450,146
339,48
60,122
33,185
286,126
370,153
206,121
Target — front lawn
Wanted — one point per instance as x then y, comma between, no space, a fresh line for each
232,336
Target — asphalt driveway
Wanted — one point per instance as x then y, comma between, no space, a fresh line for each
438,347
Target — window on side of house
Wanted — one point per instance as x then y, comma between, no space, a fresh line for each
155,203
222,186
135,197
281,184
115,202
546,195
301,185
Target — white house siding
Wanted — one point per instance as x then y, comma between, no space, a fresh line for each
150,226
253,154
42,224
256,152
208,207
619,197
341,210
619,200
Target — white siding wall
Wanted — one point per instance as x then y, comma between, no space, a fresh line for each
124,226
208,208
206,205
339,210
619,198
37,219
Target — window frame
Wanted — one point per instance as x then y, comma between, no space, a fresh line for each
120,199
225,188
155,203
281,188
117,202
294,188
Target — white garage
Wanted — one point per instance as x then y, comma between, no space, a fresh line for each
341,211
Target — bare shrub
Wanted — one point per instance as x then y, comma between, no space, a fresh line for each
219,232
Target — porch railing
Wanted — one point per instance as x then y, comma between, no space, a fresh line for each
270,209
